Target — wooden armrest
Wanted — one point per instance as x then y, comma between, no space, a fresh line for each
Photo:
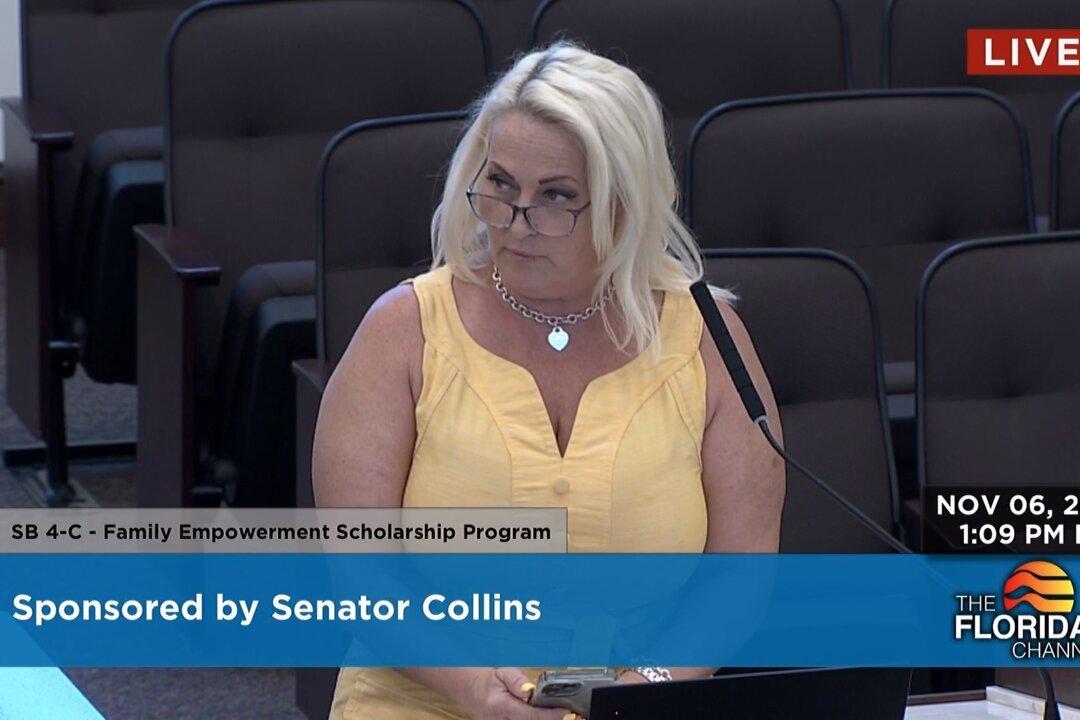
44,125
181,252
171,267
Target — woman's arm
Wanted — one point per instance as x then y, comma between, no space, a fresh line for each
363,450
367,424
744,478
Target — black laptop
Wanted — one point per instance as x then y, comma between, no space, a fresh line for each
835,693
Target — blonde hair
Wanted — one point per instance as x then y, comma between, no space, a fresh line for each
641,243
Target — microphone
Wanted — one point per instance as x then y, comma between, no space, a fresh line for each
722,338
733,361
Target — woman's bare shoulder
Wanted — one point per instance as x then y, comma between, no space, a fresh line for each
397,312
390,338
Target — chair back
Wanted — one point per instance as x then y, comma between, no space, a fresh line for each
98,64
698,53
1065,166
379,183
257,88
998,366
887,178
813,321
925,47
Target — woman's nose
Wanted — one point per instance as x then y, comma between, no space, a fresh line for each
520,226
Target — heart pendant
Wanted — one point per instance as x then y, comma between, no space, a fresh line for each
558,338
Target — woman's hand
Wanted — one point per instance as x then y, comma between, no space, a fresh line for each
503,694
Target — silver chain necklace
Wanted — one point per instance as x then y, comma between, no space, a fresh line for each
558,338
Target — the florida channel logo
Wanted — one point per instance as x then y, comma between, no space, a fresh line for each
1033,613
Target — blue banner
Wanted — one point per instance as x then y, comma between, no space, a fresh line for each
536,610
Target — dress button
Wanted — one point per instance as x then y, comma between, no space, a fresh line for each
561,486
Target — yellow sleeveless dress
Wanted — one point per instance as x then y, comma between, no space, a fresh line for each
630,479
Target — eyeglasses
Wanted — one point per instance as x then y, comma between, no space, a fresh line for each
543,219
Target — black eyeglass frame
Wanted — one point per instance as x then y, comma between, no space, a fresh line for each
470,194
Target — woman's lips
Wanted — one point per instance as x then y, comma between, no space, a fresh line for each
522,255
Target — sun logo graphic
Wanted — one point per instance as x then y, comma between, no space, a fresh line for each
1042,585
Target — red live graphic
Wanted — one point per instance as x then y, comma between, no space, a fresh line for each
1023,51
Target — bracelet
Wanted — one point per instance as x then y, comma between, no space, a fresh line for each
654,674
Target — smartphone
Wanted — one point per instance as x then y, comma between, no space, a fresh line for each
571,688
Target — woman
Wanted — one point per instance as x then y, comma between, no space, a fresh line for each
552,357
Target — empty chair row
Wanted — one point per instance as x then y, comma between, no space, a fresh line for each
925,47
258,146
252,91
888,178
247,117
